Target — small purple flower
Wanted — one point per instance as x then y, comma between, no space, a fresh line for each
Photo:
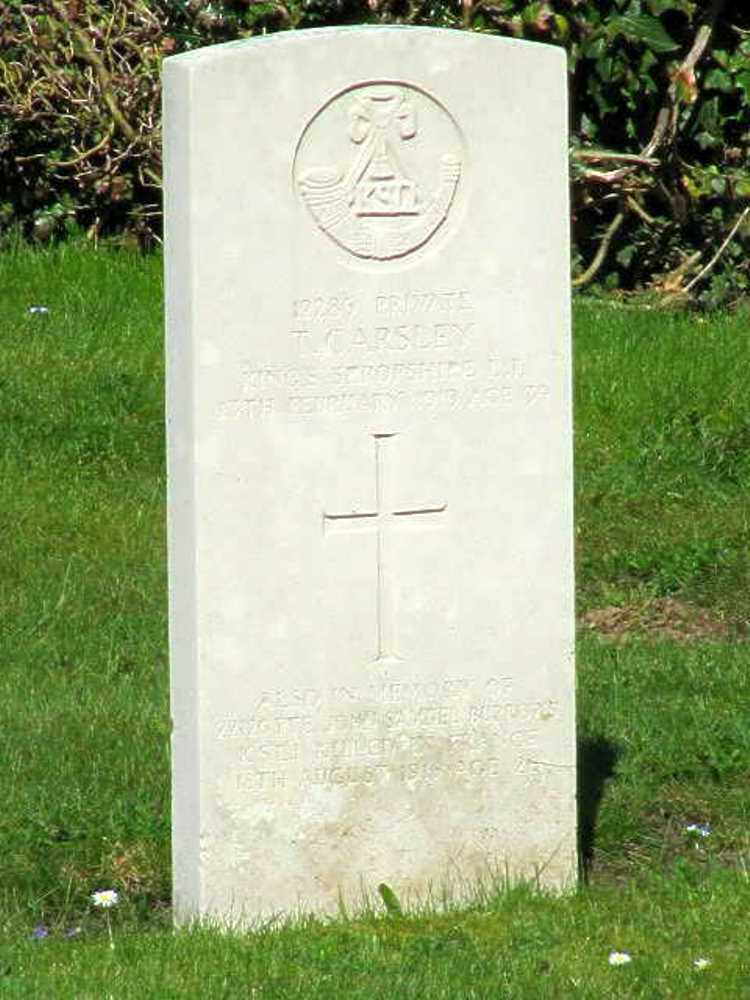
40,932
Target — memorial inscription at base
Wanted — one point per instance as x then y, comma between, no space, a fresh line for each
370,482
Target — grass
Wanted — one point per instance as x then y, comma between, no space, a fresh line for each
663,459
518,945
663,468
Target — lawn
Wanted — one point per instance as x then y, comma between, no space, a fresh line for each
663,555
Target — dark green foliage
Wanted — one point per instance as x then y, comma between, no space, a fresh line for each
80,142
639,89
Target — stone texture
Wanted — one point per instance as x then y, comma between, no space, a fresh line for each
370,485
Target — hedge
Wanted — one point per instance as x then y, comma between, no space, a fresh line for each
660,119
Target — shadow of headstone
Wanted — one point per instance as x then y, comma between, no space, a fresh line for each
597,757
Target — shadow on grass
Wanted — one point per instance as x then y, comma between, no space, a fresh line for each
597,757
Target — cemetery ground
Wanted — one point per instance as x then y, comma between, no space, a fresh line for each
663,559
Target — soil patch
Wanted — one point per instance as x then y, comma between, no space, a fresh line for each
663,618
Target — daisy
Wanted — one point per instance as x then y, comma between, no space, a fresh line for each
105,898
619,958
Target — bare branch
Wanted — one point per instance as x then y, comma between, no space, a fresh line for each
714,260
635,206
599,155
593,269
85,155
672,281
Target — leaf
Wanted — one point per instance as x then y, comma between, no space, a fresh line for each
595,48
743,80
687,88
643,28
390,900
648,59
661,6
588,127
707,141
691,187
625,256
610,68
709,115
562,26
717,79
722,58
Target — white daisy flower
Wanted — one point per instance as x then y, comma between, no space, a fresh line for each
105,898
619,958
701,829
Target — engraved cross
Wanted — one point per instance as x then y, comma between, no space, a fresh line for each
382,519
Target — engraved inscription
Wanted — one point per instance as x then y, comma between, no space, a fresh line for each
378,168
380,519
421,734
419,350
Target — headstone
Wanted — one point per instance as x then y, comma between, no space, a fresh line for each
370,488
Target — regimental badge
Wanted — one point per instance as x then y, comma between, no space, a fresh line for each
378,167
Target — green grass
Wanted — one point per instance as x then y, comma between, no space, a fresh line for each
82,581
663,469
517,945
663,459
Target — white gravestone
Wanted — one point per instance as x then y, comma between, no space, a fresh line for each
370,487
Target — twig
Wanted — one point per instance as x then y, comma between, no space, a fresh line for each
609,176
85,155
597,155
639,210
670,283
712,263
600,256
